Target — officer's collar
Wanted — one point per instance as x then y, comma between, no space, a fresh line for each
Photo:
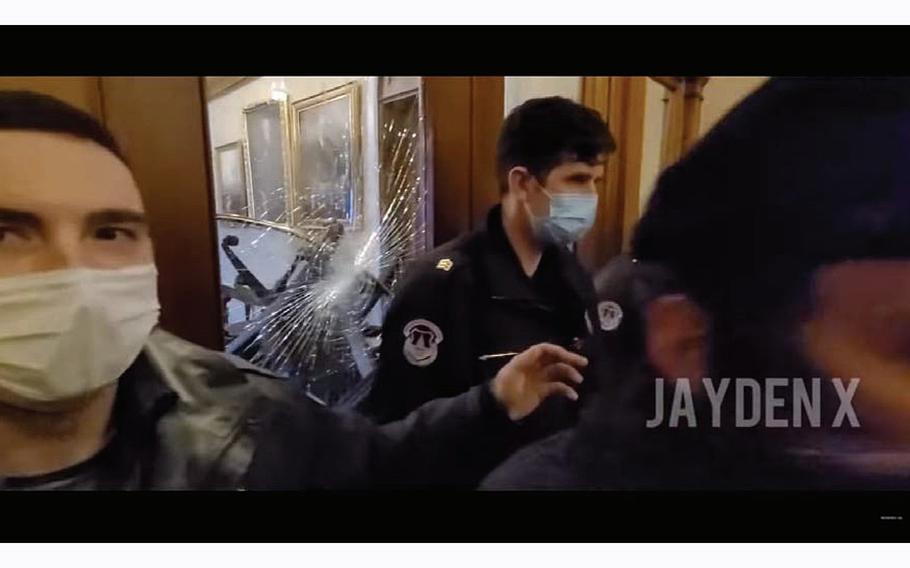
499,259
512,282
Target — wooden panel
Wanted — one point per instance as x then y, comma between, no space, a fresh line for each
595,92
487,103
630,153
160,123
621,101
694,89
671,83
81,92
673,128
610,237
448,111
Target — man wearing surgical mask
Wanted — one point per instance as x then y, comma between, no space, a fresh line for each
468,307
94,396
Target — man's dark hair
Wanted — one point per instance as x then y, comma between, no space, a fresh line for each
541,134
26,110
803,173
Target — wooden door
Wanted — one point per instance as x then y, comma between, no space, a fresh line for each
160,123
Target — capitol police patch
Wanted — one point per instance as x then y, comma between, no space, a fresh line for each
610,314
421,342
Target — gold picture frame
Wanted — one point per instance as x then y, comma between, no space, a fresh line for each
327,145
259,161
230,170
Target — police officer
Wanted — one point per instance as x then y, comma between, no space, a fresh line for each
472,304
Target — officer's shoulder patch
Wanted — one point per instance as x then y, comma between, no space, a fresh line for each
610,315
445,264
421,342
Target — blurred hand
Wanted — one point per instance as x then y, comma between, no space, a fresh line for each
533,375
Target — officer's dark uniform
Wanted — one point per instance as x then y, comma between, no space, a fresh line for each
465,309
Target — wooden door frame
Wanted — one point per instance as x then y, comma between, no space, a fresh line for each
162,127
464,115
683,115
621,101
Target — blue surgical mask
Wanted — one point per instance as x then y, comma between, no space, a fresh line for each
571,216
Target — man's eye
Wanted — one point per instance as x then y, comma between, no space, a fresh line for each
11,236
115,233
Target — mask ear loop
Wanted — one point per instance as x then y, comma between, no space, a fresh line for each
548,194
534,218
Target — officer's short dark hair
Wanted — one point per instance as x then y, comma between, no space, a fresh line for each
26,110
543,133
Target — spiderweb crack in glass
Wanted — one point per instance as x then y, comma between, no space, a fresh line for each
313,330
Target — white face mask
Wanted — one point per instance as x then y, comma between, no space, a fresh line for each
571,216
68,332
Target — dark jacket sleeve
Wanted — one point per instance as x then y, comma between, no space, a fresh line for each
450,442
401,383
543,465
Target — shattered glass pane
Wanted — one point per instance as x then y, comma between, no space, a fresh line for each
305,302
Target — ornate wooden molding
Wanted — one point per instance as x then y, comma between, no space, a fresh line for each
671,83
694,95
620,100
